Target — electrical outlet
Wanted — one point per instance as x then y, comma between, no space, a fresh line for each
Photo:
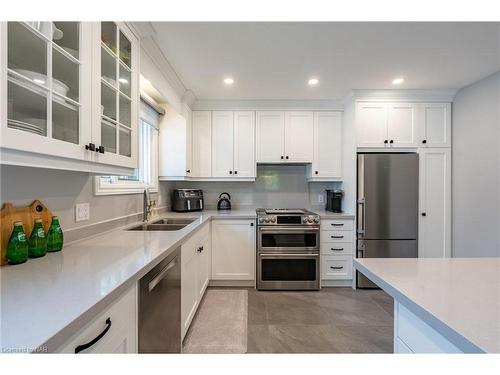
82,212
321,198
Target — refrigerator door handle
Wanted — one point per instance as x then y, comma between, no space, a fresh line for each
360,250
361,217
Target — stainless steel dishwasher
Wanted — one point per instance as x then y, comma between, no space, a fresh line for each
160,307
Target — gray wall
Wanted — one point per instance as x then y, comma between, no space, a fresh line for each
61,190
476,169
276,186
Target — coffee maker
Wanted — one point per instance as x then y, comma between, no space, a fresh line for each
334,200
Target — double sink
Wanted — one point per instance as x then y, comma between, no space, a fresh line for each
165,224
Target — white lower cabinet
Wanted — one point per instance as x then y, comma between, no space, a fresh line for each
435,203
116,326
194,274
337,250
233,249
413,335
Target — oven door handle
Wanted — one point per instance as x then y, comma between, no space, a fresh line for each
288,229
281,255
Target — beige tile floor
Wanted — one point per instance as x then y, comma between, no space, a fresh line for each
333,320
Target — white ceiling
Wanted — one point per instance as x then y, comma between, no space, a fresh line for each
275,60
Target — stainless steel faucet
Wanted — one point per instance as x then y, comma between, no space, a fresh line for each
146,205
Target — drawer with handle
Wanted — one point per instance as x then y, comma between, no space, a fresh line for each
336,236
336,267
334,248
112,331
337,224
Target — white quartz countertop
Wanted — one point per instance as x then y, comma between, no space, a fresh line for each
44,301
458,297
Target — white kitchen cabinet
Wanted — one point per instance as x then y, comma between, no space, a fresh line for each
222,143
435,128
202,144
175,146
195,255
120,330
233,250
244,144
435,203
50,97
327,157
401,124
270,136
371,124
299,138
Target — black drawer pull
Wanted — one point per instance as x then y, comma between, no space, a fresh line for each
200,249
336,268
79,348
337,236
337,249
337,225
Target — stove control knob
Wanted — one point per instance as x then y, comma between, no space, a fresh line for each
316,220
273,220
266,220
261,219
309,220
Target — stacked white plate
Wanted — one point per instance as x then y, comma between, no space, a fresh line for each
25,126
58,86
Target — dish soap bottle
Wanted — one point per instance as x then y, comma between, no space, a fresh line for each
54,236
37,244
17,248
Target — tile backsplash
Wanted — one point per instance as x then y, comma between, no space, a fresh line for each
275,186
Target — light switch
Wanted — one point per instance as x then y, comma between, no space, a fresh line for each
82,212
321,198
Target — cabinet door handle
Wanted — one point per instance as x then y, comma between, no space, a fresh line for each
336,225
188,171
200,249
424,141
100,149
79,348
281,157
315,172
90,146
337,236
391,141
336,268
287,157
386,141
235,172
230,172
337,249
424,214
251,224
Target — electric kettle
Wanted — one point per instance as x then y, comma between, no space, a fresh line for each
224,202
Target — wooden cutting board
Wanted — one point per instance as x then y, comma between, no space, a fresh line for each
27,214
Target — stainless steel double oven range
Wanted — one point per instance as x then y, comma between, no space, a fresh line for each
288,249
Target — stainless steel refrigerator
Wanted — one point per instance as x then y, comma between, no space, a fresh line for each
387,222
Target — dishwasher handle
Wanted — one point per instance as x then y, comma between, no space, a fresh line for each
161,275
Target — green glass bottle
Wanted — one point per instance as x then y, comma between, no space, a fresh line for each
54,236
37,244
17,248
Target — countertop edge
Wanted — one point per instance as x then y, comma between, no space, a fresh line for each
449,333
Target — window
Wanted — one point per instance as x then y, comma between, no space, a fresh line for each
147,173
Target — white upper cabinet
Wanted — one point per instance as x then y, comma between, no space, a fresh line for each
175,146
222,144
202,144
50,96
244,144
435,129
327,159
371,124
435,203
270,136
299,136
401,124
115,94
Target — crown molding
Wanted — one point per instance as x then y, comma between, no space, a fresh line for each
253,104
446,95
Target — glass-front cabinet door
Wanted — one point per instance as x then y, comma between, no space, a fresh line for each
115,94
46,88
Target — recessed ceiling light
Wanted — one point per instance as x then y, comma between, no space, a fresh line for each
398,81
313,82
228,81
